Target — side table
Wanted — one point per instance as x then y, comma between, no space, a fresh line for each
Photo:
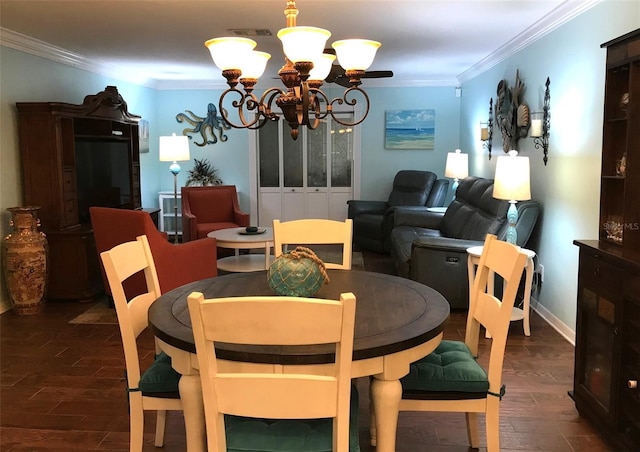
235,238
518,314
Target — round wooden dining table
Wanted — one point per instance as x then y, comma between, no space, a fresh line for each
398,321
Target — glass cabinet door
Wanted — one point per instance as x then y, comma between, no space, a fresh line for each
598,319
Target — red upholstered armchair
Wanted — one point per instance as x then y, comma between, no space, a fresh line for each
175,264
206,209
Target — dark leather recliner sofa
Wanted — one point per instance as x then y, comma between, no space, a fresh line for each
430,247
373,220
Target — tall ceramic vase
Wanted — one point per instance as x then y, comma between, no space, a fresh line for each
25,263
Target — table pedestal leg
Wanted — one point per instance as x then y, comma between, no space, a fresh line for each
386,395
193,408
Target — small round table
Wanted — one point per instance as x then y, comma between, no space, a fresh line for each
238,239
518,314
398,321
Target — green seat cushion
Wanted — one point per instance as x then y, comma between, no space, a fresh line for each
160,377
449,368
288,435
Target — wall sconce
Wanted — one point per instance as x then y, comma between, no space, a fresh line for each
540,125
486,130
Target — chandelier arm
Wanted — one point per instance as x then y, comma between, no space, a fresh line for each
247,99
318,96
271,94
302,107
351,102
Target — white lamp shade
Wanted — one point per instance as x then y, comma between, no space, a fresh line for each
322,67
512,178
303,43
254,64
174,148
228,53
356,54
457,166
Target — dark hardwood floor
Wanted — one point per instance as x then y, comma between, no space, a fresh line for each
62,389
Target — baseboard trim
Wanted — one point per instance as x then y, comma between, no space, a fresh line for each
562,328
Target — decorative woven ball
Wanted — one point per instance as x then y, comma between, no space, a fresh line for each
294,277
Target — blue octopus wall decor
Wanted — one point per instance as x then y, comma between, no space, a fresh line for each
206,127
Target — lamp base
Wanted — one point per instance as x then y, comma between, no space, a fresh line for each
512,218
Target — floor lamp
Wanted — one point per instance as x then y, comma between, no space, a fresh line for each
456,168
512,184
174,149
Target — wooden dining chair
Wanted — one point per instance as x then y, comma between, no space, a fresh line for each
315,232
156,388
450,378
266,410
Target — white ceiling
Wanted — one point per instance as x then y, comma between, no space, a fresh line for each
161,43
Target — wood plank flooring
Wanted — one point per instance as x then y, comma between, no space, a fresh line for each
62,389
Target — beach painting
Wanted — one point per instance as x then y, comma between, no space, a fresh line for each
410,129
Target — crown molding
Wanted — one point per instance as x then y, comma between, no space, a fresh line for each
32,46
559,16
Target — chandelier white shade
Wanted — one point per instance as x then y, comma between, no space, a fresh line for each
321,67
306,66
303,43
229,52
356,54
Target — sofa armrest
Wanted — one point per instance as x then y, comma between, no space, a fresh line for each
360,207
418,216
189,226
241,219
422,244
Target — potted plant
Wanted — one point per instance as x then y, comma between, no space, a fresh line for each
203,174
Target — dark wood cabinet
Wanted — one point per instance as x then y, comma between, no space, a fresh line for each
607,355
74,156
620,175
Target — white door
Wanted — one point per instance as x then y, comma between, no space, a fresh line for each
312,177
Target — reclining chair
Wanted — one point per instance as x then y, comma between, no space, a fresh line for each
374,220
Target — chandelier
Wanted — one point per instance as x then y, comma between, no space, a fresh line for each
306,66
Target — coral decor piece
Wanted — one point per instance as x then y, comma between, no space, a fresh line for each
512,116
25,263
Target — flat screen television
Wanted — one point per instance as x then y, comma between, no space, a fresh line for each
103,174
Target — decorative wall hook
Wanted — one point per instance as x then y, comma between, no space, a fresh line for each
486,130
541,123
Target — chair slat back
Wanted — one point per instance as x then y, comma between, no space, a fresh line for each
274,321
315,232
507,261
120,263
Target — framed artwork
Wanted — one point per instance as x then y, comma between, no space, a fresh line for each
143,135
409,129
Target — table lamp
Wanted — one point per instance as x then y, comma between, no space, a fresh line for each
512,184
457,167
174,149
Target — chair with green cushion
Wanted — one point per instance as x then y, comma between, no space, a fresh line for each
257,407
450,378
156,388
